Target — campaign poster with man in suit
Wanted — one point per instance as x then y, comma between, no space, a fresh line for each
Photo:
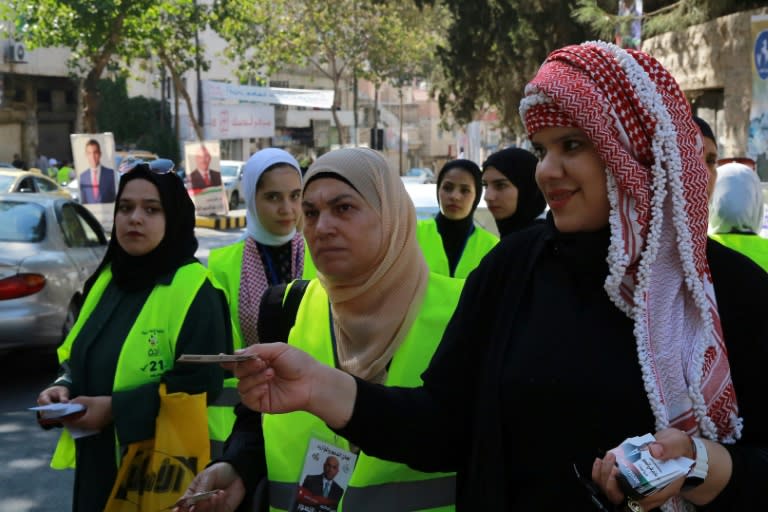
203,177
96,179
324,477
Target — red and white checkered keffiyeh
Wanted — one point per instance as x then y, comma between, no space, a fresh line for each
254,282
636,116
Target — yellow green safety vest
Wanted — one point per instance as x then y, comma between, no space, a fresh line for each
149,350
375,484
225,264
431,243
753,247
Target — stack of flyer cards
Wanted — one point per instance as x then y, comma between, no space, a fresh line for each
640,472
53,413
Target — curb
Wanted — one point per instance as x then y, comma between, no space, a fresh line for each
220,222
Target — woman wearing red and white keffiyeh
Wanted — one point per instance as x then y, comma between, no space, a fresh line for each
615,318
638,122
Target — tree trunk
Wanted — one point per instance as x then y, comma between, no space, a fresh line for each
91,100
180,89
335,106
375,134
98,64
401,130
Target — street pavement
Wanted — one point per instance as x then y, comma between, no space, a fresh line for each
27,483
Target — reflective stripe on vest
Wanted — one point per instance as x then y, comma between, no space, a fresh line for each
287,435
149,349
431,243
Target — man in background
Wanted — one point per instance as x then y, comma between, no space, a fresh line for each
97,183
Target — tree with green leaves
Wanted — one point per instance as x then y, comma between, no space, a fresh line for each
334,38
402,45
105,35
659,16
93,31
169,32
494,47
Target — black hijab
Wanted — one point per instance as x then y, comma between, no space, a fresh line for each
131,273
455,232
519,167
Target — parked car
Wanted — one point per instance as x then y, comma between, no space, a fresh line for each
418,175
232,178
424,197
15,180
145,155
49,246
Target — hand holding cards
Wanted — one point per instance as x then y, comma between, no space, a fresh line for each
52,414
641,474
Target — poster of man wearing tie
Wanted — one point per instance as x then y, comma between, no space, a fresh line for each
94,161
326,473
204,179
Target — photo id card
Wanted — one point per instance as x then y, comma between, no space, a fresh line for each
324,477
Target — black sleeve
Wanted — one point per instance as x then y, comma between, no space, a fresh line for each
206,330
421,422
741,289
244,448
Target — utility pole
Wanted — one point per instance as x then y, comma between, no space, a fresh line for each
401,128
200,117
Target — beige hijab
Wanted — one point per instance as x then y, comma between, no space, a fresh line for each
373,315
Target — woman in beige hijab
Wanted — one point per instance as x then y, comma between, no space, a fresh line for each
376,312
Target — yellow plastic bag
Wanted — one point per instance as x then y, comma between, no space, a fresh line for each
155,473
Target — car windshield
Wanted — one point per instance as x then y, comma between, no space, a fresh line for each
6,182
229,170
21,222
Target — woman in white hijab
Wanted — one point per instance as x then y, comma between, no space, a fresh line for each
736,212
272,251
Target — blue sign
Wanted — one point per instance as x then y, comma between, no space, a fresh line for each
761,54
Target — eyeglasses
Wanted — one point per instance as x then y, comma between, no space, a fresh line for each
158,166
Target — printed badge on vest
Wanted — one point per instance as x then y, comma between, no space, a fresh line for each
156,362
324,477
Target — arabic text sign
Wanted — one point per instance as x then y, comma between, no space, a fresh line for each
310,98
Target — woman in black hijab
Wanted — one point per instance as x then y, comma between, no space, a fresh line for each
452,244
511,193
149,302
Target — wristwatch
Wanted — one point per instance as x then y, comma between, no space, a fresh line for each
700,468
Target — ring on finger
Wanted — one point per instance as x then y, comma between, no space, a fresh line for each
634,506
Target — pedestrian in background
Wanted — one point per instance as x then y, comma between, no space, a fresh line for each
617,317
511,193
452,244
148,302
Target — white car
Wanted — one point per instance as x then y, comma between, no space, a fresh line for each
232,179
424,197
49,246
418,175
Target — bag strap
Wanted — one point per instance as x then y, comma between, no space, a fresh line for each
277,316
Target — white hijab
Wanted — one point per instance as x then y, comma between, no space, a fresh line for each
254,169
737,201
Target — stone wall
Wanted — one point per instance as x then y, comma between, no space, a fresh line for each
714,55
